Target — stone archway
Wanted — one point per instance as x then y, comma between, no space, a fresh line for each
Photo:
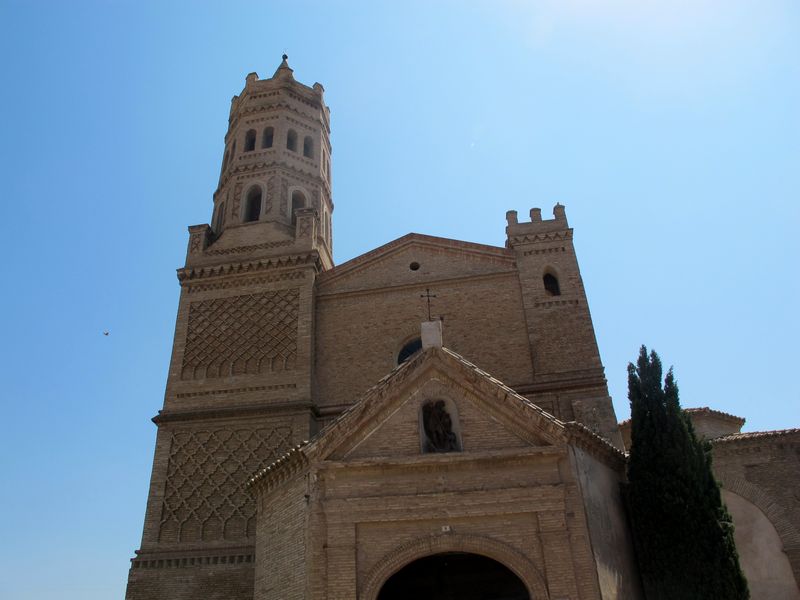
454,575
509,558
761,554
788,533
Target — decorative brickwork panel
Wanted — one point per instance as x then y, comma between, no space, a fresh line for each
249,334
206,496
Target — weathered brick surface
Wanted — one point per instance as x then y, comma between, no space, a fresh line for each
281,546
764,470
272,342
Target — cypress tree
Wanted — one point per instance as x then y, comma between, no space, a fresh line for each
683,534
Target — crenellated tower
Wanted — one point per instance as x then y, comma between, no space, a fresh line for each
568,376
239,389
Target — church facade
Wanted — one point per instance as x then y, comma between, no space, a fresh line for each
325,436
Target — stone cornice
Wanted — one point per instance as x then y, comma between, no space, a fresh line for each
584,438
189,273
184,559
246,249
231,412
538,238
282,470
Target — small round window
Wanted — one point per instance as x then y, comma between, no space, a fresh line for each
409,350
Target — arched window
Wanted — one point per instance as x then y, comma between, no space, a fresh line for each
551,284
219,217
291,140
252,210
266,137
308,147
409,350
298,201
233,150
225,160
250,140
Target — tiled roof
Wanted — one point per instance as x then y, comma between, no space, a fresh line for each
756,435
702,410
716,413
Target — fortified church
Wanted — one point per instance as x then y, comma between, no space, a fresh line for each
323,438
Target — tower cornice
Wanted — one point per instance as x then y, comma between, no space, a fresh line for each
189,273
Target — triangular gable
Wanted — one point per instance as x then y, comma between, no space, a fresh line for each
515,413
390,264
432,370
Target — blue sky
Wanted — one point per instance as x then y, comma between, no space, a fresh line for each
670,130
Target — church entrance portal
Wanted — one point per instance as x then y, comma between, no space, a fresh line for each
454,576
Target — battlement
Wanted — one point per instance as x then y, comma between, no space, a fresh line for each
537,224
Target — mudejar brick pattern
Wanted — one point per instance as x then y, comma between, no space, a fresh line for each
315,442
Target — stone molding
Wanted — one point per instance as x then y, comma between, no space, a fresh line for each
538,238
242,390
232,412
583,437
242,268
239,170
191,561
243,249
286,467
509,557
238,282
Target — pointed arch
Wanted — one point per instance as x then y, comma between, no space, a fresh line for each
551,284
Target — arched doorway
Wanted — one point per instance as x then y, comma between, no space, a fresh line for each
454,575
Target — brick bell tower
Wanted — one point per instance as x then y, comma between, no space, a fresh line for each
238,392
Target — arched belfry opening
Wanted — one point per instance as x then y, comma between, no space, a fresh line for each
454,575
551,285
252,207
298,202
250,140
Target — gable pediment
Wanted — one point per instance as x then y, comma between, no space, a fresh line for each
485,416
391,264
385,423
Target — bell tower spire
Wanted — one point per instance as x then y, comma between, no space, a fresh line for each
275,181
239,391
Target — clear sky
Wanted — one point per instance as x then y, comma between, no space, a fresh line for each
670,130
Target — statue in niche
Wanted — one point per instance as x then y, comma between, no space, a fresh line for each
438,426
